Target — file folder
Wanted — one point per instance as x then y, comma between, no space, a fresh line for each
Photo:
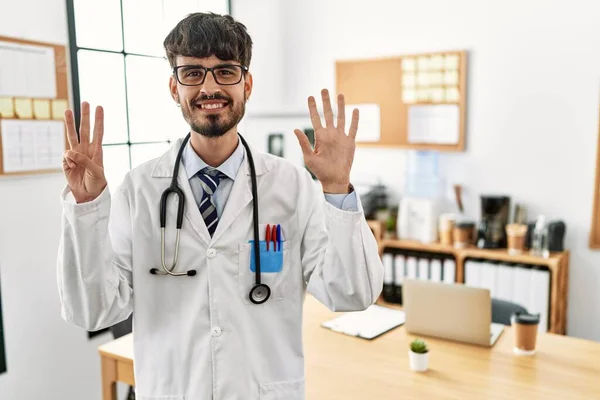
367,324
411,267
435,268
423,264
449,270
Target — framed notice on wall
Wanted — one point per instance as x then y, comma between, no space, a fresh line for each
33,99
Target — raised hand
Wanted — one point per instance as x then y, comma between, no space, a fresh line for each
333,154
82,164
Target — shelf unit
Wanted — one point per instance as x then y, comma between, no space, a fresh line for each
557,264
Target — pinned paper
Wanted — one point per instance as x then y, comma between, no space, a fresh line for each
409,96
58,108
452,94
408,64
30,71
451,77
369,125
409,80
23,108
437,62
437,94
32,145
423,95
423,79
423,63
41,109
435,78
452,61
434,124
7,108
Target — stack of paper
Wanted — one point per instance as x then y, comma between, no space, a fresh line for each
367,324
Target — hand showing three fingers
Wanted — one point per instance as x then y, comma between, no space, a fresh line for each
82,164
333,154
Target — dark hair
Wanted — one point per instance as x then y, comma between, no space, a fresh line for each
204,34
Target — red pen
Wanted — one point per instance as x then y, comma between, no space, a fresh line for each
268,238
274,237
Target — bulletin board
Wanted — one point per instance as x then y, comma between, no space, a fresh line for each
34,95
414,101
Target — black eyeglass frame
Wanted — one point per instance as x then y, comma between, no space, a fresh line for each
211,70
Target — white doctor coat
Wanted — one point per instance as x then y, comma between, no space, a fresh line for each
200,337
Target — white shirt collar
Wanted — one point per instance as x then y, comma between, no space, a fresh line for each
230,167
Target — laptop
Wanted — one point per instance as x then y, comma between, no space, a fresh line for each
450,311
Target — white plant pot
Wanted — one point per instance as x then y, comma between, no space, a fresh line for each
418,362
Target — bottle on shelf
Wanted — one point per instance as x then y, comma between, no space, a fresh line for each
539,241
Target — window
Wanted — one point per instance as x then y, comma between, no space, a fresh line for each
118,62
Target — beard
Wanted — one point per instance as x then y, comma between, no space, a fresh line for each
215,125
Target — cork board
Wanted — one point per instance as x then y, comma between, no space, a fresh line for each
408,89
37,105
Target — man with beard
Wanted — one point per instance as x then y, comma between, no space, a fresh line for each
211,319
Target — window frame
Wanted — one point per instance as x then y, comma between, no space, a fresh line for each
74,49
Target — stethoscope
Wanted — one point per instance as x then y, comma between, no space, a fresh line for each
260,292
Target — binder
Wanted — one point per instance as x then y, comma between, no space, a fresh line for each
423,264
487,276
449,271
411,267
539,295
388,277
505,282
521,286
435,269
399,262
472,271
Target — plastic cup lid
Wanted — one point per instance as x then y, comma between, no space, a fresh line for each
526,319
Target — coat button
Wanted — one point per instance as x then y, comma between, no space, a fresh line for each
216,331
211,253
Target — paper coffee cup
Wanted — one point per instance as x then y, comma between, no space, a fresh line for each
516,234
525,329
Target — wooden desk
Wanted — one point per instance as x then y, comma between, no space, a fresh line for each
340,367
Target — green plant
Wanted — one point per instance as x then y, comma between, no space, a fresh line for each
390,224
418,346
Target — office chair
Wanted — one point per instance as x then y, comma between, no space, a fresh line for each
502,311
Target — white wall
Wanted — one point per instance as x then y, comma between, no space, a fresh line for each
46,357
533,94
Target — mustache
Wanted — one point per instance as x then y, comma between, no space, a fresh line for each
214,96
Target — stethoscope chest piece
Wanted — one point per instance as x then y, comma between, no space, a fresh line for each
259,293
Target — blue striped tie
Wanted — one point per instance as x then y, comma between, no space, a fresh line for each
209,180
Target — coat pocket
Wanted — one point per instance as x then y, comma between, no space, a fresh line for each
275,275
288,390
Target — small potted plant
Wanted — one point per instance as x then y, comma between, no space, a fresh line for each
419,355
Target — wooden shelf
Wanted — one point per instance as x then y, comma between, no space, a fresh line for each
557,264
473,252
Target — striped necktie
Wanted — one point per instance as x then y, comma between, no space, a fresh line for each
209,180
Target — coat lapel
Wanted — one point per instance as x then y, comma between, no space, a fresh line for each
164,169
240,196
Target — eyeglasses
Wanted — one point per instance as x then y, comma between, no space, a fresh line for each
194,75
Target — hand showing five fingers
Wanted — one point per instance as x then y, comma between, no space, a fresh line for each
333,154
82,164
